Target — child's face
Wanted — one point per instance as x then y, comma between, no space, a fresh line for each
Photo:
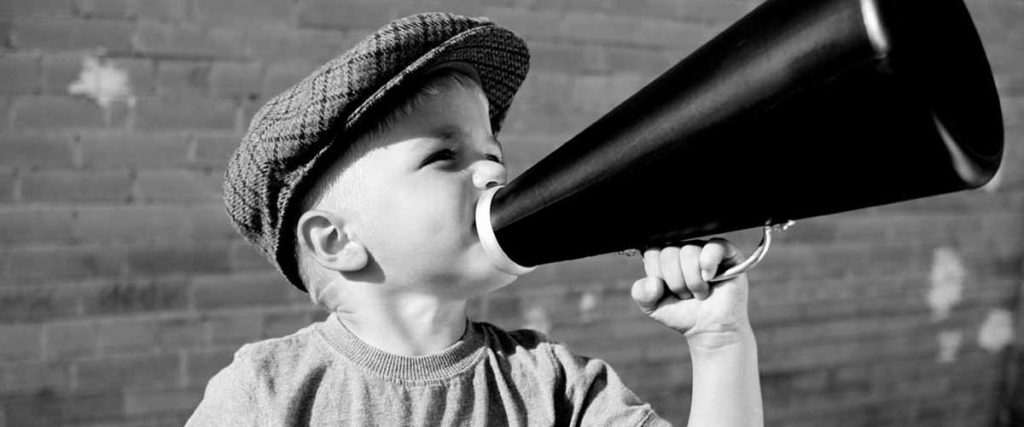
415,194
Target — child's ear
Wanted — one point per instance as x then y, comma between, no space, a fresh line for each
323,235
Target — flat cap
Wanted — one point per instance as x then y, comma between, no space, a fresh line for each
299,132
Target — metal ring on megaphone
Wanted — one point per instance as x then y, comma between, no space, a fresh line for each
485,230
755,257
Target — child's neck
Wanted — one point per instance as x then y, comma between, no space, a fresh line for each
407,325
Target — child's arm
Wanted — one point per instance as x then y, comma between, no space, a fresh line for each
726,387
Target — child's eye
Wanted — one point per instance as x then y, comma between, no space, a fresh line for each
495,159
439,156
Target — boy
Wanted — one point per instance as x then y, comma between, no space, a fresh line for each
360,184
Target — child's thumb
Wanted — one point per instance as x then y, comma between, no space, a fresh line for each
647,292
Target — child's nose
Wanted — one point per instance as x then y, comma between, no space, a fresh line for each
487,174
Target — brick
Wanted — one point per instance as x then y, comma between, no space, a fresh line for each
188,41
351,15
29,151
70,340
547,89
264,289
182,333
101,224
27,225
201,365
241,80
5,110
40,262
47,409
134,296
59,71
245,12
21,74
155,114
141,74
600,94
178,259
35,377
183,78
214,151
108,9
176,186
281,77
21,341
538,24
59,112
72,34
557,124
284,323
150,10
163,10
298,46
246,258
550,56
8,181
77,186
647,8
210,222
126,335
649,62
235,327
148,370
145,402
62,71
37,303
137,150
21,8
715,12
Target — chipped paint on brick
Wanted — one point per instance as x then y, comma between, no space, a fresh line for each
947,282
996,332
536,318
103,83
588,303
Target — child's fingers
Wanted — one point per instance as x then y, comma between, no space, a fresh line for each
651,267
689,262
647,293
717,253
671,271
711,257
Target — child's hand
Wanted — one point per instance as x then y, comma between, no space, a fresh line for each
677,294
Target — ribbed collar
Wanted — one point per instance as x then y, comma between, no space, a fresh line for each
449,362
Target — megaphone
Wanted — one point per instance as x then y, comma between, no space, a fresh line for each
800,109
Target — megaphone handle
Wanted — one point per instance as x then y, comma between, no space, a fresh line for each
755,257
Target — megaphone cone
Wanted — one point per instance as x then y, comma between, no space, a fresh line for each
802,108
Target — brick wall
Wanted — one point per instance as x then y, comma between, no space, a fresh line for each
123,288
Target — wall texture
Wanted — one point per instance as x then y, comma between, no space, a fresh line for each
123,288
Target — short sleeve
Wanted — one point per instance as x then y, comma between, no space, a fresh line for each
227,400
598,396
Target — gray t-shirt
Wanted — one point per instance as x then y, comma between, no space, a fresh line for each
324,375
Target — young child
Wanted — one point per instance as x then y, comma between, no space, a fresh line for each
359,184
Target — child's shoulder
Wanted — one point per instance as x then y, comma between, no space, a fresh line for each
534,342
274,356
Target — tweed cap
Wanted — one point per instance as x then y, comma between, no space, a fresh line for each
298,133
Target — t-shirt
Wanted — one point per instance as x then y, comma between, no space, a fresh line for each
324,375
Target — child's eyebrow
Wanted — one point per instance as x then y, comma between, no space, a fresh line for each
450,132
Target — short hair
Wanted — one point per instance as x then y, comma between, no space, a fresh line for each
432,84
